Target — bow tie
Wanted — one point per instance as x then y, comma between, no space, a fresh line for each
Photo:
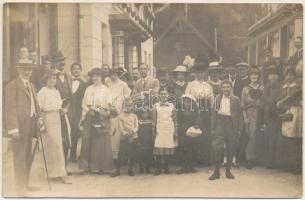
76,79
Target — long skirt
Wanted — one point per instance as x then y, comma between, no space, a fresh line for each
289,155
96,152
53,146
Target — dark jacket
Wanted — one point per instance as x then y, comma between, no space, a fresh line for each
236,112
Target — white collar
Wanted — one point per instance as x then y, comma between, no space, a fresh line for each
291,85
244,78
25,82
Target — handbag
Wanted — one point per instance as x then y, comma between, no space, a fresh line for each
100,125
286,117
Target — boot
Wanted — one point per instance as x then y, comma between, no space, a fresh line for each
229,175
130,170
158,167
117,171
216,173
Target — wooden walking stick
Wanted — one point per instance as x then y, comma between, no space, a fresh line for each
45,162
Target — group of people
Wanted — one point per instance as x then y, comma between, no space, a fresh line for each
196,117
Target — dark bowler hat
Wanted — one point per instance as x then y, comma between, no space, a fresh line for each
58,56
272,69
25,63
201,64
95,71
45,59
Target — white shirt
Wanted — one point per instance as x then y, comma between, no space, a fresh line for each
119,91
28,88
224,108
200,90
75,85
49,99
98,96
61,75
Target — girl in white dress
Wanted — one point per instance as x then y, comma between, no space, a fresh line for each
50,104
165,132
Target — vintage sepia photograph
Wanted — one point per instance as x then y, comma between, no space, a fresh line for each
146,100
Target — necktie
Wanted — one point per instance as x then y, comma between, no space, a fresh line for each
32,99
144,84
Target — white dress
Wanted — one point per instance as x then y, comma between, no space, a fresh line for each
50,103
119,91
165,127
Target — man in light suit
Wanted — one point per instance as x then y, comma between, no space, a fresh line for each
146,83
22,119
227,121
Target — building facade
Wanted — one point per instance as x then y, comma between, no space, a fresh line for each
277,28
119,35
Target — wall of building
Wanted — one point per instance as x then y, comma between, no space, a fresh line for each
95,36
147,53
68,33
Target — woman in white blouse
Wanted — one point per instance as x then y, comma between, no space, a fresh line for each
96,152
50,104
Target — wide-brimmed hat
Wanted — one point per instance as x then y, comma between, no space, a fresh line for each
242,64
95,71
180,69
58,56
215,66
45,59
25,63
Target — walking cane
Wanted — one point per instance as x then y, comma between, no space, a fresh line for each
45,162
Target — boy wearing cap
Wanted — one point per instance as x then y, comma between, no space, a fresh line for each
22,118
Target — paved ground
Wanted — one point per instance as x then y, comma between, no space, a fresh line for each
258,182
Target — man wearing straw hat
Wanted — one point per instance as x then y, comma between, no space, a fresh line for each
22,117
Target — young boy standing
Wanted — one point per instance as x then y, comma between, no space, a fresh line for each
227,122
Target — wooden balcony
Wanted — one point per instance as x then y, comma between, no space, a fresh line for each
136,19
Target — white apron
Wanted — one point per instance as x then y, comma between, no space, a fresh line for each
165,127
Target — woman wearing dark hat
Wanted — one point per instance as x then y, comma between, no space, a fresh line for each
290,109
203,92
272,122
96,153
50,103
251,102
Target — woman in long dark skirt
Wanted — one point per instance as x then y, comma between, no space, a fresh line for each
96,152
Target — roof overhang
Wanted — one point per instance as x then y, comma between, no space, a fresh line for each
122,22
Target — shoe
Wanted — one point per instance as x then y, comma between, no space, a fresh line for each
157,172
64,181
83,172
141,171
115,174
131,173
69,173
229,175
249,165
166,171
234,164
192,170
183,170
32,189
147,170
214,176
